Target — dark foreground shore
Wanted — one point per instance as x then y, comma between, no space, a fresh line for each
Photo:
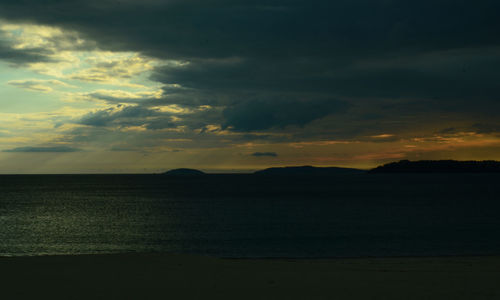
165,276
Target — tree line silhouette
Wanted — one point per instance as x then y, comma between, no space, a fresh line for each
439,166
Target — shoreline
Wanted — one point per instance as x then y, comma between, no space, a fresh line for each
177,276
272,258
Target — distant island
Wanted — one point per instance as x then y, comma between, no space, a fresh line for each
308,170
184,172
403,166
439,166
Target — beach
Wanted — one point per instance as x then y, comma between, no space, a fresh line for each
172,276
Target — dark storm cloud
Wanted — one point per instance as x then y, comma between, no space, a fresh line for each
272,64
43,149
128,116
222,28
21,56
18,57
261,114
150,118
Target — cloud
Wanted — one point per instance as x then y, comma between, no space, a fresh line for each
493,127
114,68
260,114
37,85
327,47
22,56
43,149
282,71
38,46
265,154
149,117
193,28
120,115
120,96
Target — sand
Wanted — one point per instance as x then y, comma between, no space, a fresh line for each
167,276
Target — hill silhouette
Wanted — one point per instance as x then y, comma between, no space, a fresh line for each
439,166
308,170
184,172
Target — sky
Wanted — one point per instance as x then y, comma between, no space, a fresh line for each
101,86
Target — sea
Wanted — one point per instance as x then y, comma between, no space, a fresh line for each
249,216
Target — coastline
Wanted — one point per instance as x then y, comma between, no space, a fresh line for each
175,276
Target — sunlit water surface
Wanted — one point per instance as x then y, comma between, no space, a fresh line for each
251,216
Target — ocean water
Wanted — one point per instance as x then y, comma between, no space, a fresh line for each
252,216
